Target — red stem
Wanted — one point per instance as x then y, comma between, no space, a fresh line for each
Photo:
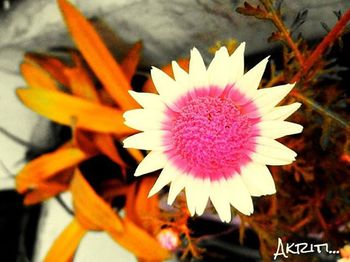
330,37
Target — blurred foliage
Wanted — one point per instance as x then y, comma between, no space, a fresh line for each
312,193
312,203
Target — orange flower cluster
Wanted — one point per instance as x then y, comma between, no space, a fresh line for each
95,116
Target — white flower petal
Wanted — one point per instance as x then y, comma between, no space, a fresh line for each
147,140
153,161
220,201
203,195
238,195
277,129
168,88
176,186
281,112
192,194
271,97
148,100
198,73
218,72
168,173
236,64
271,161
249,82
181,76
258,179
144,119
271,148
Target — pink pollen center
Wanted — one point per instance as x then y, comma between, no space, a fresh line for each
210,137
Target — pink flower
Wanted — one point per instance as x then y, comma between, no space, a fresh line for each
213,132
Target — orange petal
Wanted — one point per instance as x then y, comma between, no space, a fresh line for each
147,206
80,82
130,208
51,64
136,154
140,209
131,60
105,143
37,77
183,63
49,188
112,188
69,110
91,210
46,166
97,55
139,242
84,140
44,192
65,246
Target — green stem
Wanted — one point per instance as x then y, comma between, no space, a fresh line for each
323,111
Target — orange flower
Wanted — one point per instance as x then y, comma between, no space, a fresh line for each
96,120
93,213
95,123
68,95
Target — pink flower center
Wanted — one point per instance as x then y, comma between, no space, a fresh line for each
210,137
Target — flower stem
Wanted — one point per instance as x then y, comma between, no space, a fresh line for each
326,42
277,21
323,111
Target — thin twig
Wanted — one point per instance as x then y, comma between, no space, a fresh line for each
325,43
323,111
15,138
64,205
277,21
7,171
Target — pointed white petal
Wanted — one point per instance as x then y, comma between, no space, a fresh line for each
192,192
181,76
282,112
167,88
198,73
276,129
236,64
265,160
175,187
153,161
239,196
166,176
271,148
148,100
147,140
203,195
219,199
197,193
271,97
249,82
258,179
218,71
144,119
271,152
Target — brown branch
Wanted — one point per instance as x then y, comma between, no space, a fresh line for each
301,223
323,223
326,42
277,21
